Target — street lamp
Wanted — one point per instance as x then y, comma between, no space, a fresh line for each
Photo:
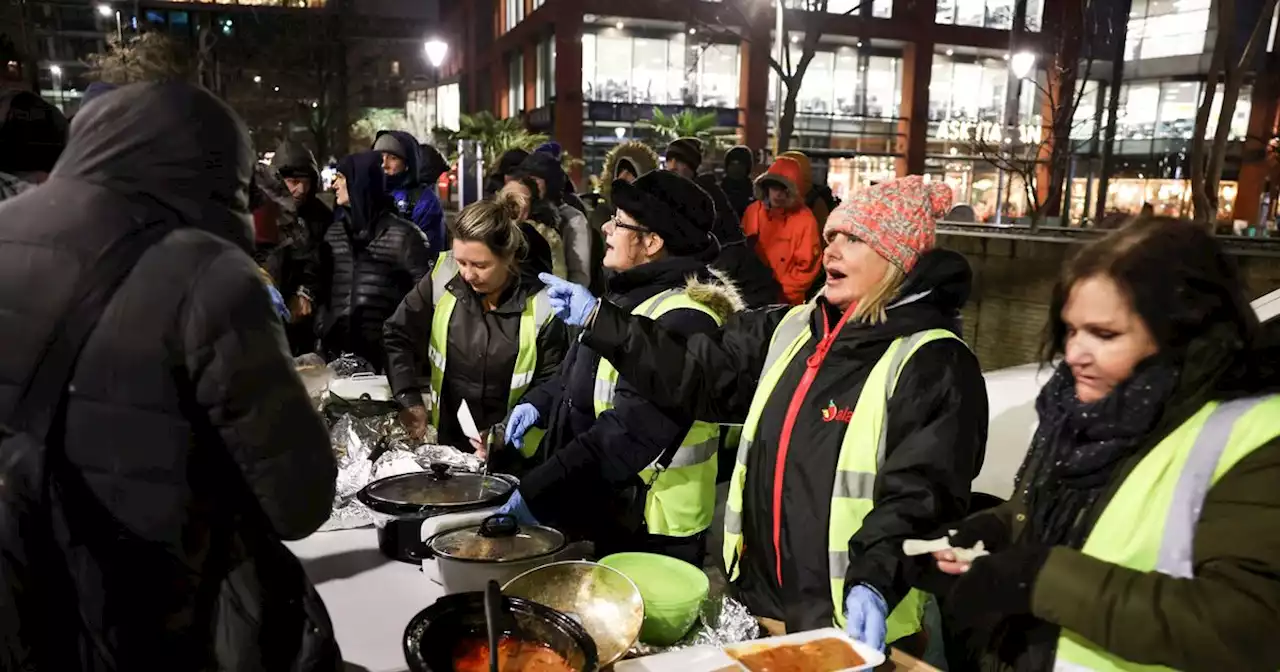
105,11
257,79
1021,64
620,132
436,51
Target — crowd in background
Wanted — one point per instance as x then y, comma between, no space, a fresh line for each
623,351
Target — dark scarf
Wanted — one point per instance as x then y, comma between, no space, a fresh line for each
1078,446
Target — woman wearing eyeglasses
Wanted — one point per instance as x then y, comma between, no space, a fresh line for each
620,472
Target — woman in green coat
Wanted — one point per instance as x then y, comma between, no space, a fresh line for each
1144,531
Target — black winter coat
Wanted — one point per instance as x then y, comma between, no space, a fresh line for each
373,258
736,260
480,354
590,458
186,426
937,424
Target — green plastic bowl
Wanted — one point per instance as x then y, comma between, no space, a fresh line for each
673,592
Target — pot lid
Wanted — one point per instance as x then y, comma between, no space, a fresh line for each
498,539
436,487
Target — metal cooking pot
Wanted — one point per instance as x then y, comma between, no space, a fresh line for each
498,549
432,638
410,499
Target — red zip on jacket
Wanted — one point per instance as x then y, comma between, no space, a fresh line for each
789,422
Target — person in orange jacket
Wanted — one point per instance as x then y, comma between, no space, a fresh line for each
785,231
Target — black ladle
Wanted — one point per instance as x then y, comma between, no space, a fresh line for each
498,621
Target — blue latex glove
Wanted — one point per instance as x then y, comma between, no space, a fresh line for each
571,303
522,418
277,302
865,614
515,506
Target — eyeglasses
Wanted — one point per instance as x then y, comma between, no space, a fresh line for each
614,222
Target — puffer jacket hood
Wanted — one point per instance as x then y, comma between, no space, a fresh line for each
292,158
787,172
806,171
739,154
412,158
637,153
366,190
171,142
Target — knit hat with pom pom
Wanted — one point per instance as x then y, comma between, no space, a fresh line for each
897,218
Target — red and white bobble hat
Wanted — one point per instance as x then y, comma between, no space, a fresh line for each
898,218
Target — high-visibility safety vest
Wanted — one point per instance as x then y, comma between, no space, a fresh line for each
1149,525
862,454
682,498
537,313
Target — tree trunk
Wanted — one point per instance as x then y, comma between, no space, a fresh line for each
1230,97
1206,204
786,125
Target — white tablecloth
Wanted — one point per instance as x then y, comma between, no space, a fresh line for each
370,597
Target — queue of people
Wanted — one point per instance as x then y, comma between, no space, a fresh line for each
183,448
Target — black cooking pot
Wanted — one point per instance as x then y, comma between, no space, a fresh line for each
412,498
432,638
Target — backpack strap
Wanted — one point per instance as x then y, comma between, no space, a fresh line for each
48,382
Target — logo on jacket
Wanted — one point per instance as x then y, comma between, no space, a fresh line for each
833,413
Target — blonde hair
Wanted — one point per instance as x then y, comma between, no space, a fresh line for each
871,309
496,223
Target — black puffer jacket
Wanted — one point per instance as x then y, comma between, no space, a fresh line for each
936,432
298,258
373,258
480,353
186,424
591,458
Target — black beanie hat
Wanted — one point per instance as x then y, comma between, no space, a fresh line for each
672,207
33,132
547,168
687,150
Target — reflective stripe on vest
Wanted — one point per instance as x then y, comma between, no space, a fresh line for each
856,468
536,314
1149,525
681,501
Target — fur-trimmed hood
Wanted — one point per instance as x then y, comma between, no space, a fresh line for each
785,171
717,292
639,154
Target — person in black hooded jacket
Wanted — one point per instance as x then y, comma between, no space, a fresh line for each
491,280
737,260
866,415
300,257
189,448
658,242
372,259
415,201
737,184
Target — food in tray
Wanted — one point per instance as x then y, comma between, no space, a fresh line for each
472,655
820,655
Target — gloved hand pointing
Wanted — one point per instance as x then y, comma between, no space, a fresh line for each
522,418
865,614
571,303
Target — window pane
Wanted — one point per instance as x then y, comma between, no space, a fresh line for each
882,86
970,12
649,78
1082,124
818,87
1178,103
999,14
946,12
847,76
677,77
940,89
718,76
1138,112
882,9
613,68
590,90
1240,121
844,6
1035,15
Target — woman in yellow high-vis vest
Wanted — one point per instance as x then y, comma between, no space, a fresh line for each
603,439
1144,531
478,328
865,414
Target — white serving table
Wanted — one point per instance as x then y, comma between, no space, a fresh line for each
370,598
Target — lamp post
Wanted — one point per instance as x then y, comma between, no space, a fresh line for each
436,52
105,11
1020,65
